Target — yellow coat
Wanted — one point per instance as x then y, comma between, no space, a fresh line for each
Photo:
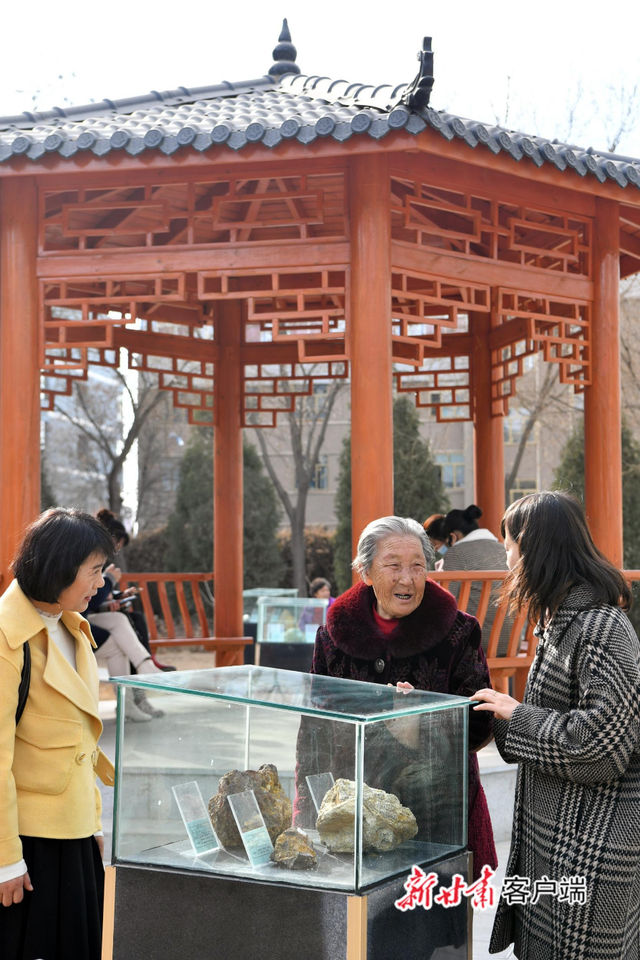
48,764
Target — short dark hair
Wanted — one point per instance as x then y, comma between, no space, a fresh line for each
557,553
54,548
466,521
318,584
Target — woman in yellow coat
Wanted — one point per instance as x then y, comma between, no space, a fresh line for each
51,874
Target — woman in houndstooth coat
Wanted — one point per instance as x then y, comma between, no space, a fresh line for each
576,738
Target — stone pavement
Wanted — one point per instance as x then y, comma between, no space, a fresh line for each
498,780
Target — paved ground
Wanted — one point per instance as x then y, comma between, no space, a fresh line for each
497,777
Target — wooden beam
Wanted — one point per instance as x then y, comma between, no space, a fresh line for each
629,245
488,439
510,332
629,215
165,345
370,344
409,256
602,402
269,255
228,484
628,266
20,340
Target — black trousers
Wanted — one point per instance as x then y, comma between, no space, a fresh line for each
61,919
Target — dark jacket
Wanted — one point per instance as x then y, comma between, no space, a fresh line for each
437,648
576,737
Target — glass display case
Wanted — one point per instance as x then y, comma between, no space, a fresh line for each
290,619
250,599
292,778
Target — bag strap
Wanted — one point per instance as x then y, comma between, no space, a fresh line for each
25,680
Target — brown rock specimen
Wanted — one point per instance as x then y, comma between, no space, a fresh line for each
294,850
274,804
386,824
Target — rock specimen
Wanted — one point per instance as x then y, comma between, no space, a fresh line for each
274,804
294,850
386,824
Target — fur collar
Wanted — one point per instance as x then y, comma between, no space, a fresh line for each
351,624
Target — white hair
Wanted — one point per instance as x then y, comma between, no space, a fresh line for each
377,530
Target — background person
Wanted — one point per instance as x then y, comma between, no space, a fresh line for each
319,589
135,616
575,738
398,627
472,547
51,873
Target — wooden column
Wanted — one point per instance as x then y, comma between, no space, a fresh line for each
488,437
602,416
227,493
370,342
19,366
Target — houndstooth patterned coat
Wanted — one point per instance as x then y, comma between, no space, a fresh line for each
577,806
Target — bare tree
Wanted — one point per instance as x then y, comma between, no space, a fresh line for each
538,394
307,428
97,417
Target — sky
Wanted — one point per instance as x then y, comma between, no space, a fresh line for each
531,67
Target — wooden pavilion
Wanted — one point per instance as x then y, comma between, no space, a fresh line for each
247,239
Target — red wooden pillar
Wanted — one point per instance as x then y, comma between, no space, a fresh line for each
20,338
227,492
488,437
370,342
602,416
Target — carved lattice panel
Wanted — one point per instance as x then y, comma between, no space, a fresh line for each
73,368
442,384
308,307
472,224
425,305
191,383
272,389
526,323
307,206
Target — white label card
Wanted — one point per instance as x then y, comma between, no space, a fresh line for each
196,818
250,823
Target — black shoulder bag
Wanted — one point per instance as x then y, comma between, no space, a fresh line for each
25,680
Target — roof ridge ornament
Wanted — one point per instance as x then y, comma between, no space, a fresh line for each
284,54
417,94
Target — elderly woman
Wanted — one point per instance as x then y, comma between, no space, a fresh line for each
398,627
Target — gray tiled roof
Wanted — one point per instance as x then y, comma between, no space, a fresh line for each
268,110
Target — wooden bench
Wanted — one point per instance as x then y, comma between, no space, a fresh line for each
522,643
228,650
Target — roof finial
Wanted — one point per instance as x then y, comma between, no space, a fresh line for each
417,94
284,54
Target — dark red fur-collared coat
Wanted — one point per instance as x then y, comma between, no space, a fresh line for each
437,648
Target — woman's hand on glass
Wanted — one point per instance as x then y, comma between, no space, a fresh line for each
501,704
403,686
12,891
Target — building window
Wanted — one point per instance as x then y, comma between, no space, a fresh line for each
451,465
513,427
320,479
521,489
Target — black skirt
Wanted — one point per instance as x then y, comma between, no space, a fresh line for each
62,918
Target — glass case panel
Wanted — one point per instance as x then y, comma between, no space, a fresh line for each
350,783
290,620
250,599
